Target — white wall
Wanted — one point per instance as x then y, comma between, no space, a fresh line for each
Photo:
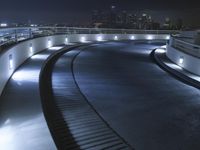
190,63
21,51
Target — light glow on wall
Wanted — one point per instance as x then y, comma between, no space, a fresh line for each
83,39
115,37
132,37
31,49
167,37
181,60
10,62
66,40
49,43
99,38
149,37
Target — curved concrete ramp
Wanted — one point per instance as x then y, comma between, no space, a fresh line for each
149,108
22,123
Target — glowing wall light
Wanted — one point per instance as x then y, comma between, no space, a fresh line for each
49,43
83,39
181,60
149,37
167,37
115,37
99,38
66,40
10,62
31,49
132,37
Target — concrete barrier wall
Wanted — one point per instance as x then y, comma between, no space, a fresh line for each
21,52
190,63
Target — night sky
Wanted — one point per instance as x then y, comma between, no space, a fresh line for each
73,11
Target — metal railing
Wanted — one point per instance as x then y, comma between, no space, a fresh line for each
186,47
9,35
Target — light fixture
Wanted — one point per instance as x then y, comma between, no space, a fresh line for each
99,38
149,37
66,40
10,62
116,38
3,25
167,37
31,49
49,43
83,39
181,60
132,37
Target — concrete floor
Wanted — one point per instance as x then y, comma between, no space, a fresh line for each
148,107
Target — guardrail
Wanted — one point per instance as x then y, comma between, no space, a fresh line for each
9,35
186,47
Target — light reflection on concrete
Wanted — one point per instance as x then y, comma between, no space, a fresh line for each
13,135
26,75
22,122
40,56
55,48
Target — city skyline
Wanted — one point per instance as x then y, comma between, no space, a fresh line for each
73,13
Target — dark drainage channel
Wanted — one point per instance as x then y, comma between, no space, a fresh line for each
73,122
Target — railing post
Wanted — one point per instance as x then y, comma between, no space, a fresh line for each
30,33
15,35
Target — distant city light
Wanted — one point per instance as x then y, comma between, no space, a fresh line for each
3,25
33,25
181,59
116,38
